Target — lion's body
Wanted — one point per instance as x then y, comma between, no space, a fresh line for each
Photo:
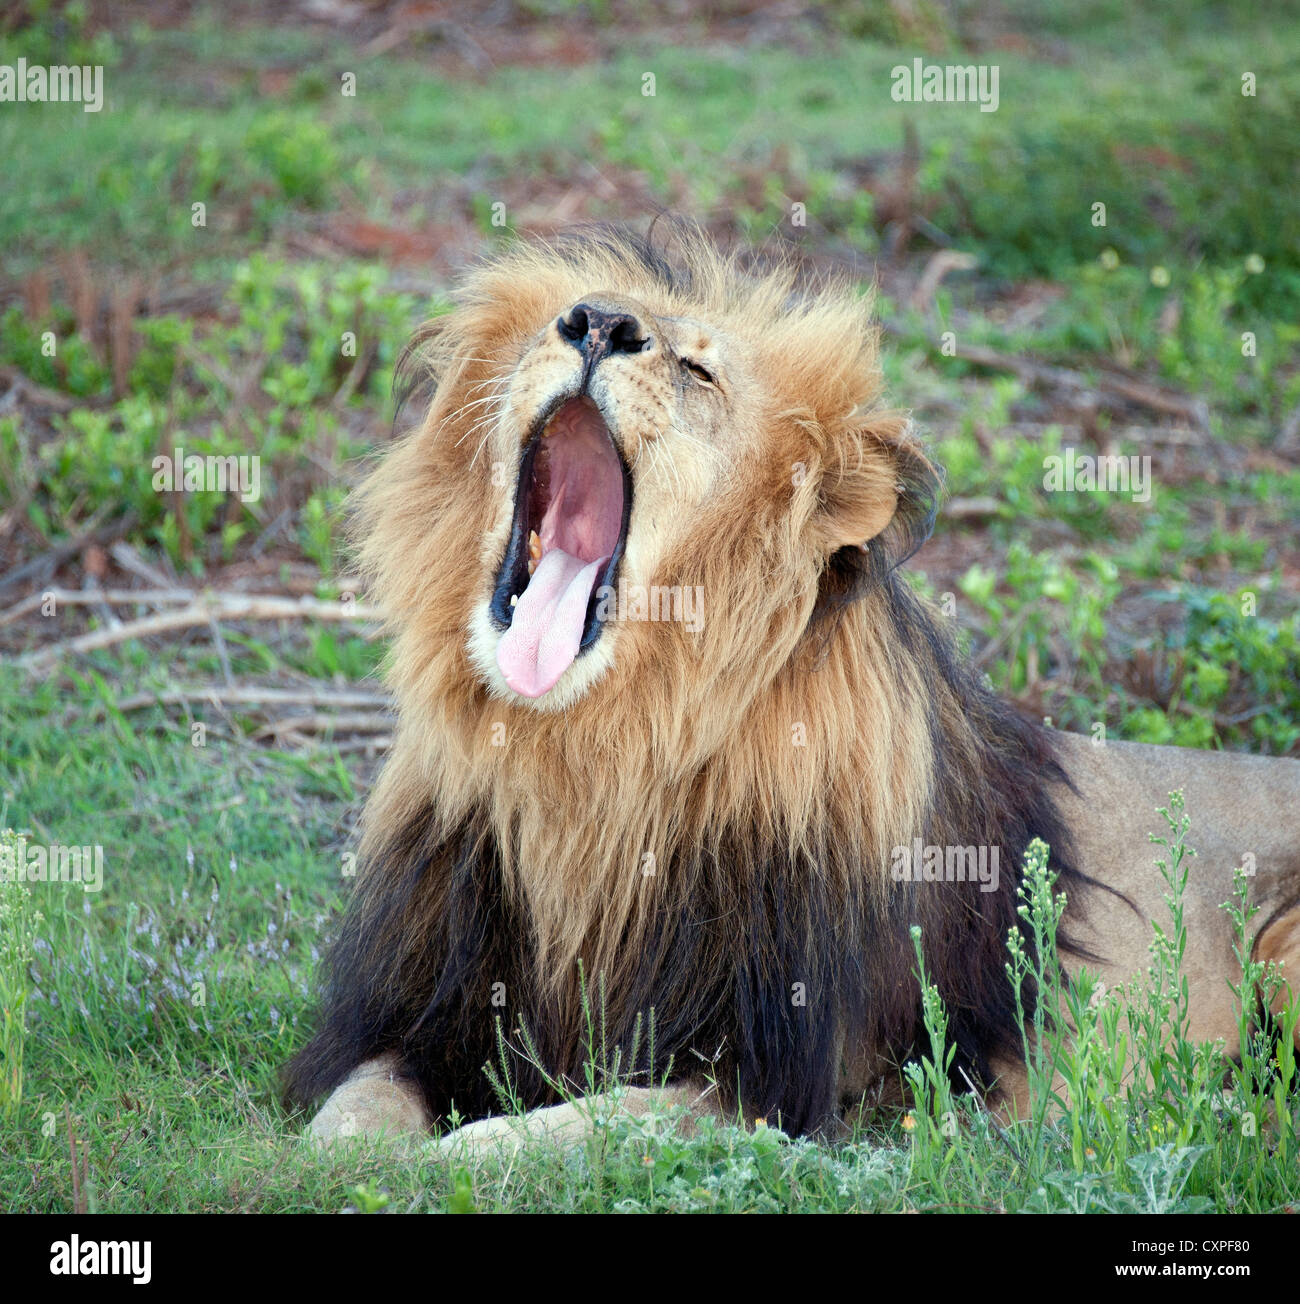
702,821
1244,812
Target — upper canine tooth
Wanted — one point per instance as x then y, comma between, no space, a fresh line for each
532,566
534,546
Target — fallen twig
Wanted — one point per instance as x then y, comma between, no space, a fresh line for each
49,561
343,722
95,597
377,743
129,559
100,602
246,695
207,608
222,655
961,509
1192,410
941,263
42,396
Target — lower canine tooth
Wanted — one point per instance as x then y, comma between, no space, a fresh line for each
514,599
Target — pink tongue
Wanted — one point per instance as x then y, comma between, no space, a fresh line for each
547,625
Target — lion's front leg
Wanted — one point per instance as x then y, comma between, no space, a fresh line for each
572,1122
375,1100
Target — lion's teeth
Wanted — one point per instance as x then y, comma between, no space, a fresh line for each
514,599
534,546
532,566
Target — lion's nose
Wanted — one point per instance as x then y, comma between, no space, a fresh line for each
596,333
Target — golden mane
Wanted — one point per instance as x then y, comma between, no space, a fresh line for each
709,827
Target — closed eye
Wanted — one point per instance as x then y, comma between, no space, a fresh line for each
702,374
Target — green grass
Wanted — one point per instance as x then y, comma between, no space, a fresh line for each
1016,184
159,1011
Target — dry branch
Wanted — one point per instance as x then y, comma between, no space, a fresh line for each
961,509
95,597
378,743
343,722
202,612
41,396
129,559
941,263
48,562
1129,390
250,695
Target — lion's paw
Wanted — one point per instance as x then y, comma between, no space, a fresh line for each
374,1101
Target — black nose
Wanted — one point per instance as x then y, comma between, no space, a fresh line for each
596,333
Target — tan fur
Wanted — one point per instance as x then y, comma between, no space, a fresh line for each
573,1121
1239,806
659,738
372,1102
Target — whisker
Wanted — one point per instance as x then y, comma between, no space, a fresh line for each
486,425
477,403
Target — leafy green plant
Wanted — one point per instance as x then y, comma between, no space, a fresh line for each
1225,660
934,1122
51,353
1174,1078
56,32
311,340
297,153
1034,971
1123,1108
1043,611
365,1199
1265,1072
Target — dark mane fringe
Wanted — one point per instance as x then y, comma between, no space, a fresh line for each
432,934
627,244
414,376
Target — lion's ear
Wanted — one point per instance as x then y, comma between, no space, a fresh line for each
883,492
878,507
859,497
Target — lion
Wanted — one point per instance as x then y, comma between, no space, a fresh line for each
667,711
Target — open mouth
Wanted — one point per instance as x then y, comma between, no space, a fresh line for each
571,512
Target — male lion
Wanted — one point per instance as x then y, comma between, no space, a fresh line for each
667,708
